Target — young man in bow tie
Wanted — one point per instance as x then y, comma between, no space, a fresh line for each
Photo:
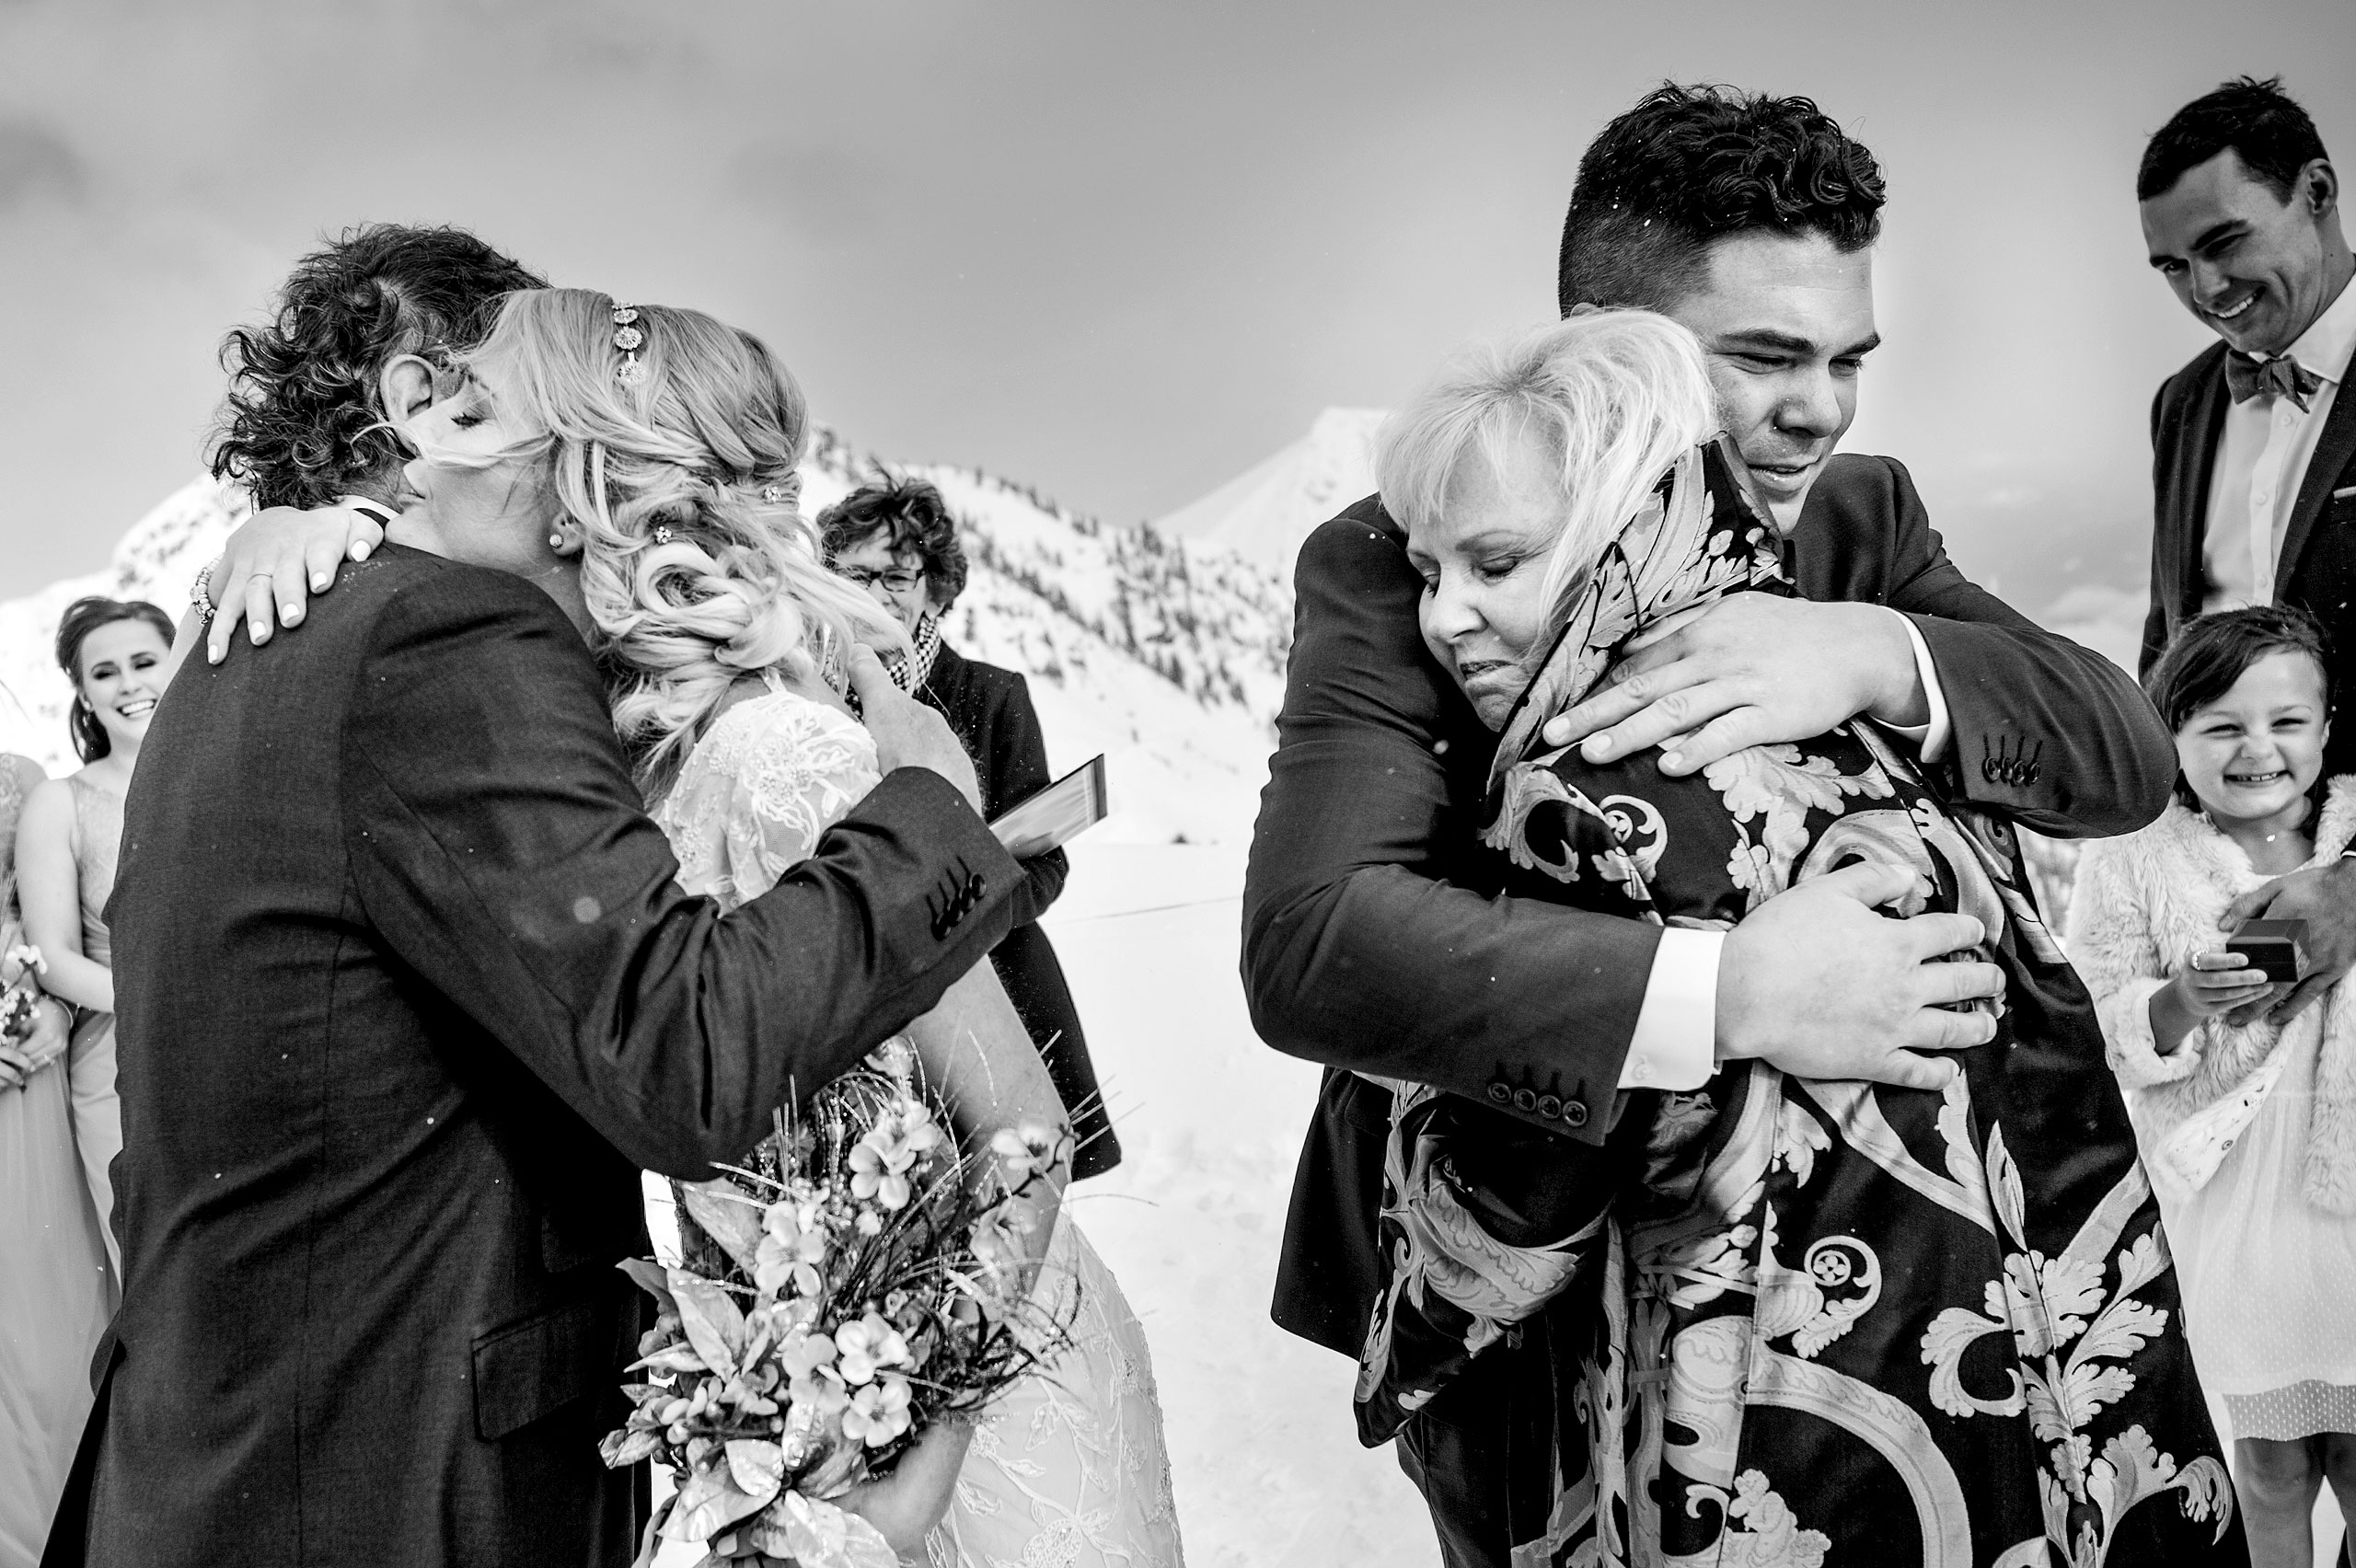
2254,443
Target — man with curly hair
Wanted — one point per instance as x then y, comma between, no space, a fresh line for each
1373,939
311,390
408,855
361,337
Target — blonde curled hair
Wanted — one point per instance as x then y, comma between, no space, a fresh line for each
701,443
1612,397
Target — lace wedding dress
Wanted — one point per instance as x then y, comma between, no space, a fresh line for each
1070,1470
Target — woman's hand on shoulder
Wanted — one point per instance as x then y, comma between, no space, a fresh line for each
273,563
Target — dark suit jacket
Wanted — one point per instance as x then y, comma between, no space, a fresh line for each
407,994
2317,571
1371,936
990,710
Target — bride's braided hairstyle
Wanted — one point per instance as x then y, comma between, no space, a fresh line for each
697,566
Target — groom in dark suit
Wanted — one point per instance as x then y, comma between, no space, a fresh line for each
1371,940
2254,443
408,994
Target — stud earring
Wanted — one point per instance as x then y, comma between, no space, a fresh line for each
556,541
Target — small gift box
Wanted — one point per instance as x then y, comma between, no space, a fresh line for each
2271,946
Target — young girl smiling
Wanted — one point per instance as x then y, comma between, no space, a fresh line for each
2248,1128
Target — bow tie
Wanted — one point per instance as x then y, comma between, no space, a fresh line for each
2281,377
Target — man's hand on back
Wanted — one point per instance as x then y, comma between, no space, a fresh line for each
1822,986
908,733
2324,898
1750,670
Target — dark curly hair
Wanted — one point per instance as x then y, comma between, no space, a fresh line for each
2207,655
1689,164
2265,125
913,519
301,423
82,617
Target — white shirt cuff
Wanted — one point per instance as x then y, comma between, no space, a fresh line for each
1676,1043
1930,740
377,512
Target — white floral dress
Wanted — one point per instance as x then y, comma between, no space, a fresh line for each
1070,1469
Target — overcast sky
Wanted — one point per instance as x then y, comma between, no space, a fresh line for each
1121,251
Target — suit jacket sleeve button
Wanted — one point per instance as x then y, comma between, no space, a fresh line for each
1574,1114
1525,1100
1500,1093
975,886
1550,1106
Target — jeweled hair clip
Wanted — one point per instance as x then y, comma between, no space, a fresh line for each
629,338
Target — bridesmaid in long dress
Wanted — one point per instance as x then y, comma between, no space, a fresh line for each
115,651
55,1291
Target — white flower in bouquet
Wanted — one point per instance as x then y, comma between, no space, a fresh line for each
792,1246
881,1162
864,1290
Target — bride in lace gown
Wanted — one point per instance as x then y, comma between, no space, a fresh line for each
1071,1468
638,462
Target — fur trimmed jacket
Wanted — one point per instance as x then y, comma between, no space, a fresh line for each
2145,904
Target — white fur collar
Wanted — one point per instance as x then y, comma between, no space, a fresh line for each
2192,833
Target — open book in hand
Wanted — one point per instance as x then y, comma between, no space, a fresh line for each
1057,814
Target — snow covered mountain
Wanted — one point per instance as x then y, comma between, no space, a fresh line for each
1265,513
1167,654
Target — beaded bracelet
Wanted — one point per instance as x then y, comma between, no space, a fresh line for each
199,594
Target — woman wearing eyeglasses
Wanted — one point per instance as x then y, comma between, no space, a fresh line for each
897,539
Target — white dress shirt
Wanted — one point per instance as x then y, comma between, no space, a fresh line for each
2262,456
1675,1044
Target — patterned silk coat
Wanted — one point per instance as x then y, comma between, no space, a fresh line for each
1796,1322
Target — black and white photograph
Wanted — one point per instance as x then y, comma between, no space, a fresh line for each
920,784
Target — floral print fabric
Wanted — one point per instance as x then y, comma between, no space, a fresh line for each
1799,1322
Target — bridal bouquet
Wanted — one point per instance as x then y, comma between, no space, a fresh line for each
856,1281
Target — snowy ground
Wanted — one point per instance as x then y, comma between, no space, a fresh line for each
1266,1460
